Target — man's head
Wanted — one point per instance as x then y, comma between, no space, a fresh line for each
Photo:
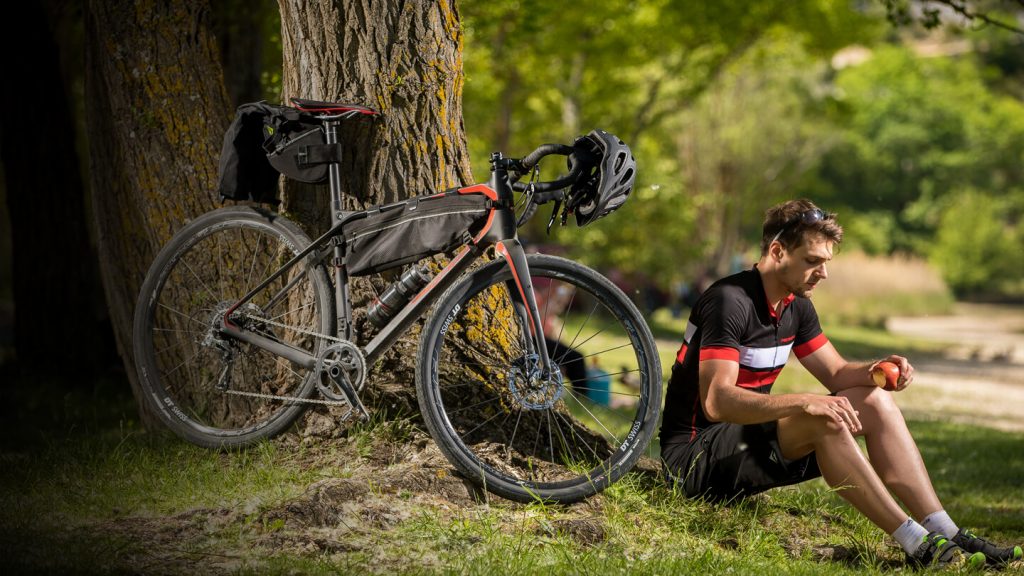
791,223
797,240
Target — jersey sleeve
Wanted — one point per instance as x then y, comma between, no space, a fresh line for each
809,335
722,320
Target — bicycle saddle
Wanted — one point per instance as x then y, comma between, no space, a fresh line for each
331,107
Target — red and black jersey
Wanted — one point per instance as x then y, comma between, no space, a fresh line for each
733,320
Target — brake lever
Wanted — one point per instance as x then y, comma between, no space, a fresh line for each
554,215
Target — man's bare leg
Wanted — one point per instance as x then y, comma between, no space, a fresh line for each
893,451
842,465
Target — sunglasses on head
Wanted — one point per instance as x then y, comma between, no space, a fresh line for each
807,218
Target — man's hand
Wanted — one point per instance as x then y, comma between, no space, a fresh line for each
906,370
836,408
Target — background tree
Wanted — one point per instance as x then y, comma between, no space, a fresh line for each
157,111
404,60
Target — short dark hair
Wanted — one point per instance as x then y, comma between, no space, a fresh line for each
786,221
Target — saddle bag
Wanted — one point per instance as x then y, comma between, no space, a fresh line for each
396,234
264,140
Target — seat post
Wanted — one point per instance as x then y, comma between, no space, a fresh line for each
334,171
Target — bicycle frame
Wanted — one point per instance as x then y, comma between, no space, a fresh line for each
499,231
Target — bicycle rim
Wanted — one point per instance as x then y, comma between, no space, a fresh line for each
203,384
523,437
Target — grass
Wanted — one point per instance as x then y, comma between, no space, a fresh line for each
95,496
84,490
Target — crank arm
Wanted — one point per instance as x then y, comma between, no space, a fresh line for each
355,404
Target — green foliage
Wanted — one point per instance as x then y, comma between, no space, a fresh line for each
979,246
547,72
730,107
916,132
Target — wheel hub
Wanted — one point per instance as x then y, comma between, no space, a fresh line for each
530,387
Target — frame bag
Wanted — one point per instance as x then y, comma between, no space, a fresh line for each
397,234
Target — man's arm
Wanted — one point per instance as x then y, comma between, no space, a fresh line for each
832,370
724,401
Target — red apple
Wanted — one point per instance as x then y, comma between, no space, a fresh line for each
886,375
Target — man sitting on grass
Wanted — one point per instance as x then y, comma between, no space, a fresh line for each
725,436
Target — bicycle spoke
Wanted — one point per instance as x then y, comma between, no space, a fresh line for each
183,315
481,403
177,331
171,347
605,351
292,311
572,430
512,441
575,387
591,414
183,363
252,265
478,426
572,344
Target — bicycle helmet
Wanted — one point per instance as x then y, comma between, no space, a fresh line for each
609,170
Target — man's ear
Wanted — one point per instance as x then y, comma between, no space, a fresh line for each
776,251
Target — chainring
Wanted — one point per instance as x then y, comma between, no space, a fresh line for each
350,359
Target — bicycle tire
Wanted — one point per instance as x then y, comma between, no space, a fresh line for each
180,355
497,431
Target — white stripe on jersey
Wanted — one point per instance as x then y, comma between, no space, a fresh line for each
690,329
773,357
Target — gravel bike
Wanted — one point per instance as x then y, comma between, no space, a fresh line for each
243,321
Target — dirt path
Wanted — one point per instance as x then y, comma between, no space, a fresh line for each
980,378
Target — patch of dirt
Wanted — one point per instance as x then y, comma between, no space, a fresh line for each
979,379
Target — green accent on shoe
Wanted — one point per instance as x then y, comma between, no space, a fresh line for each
994,554
938,551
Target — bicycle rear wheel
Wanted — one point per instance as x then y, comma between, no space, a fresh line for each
208,388
504,425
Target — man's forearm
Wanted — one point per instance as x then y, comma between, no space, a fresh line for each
850,375
734,404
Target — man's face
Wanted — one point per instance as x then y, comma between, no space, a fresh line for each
802,269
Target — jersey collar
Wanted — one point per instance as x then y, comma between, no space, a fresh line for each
771,309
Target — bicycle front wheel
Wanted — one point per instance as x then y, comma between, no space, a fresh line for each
208,388
523,434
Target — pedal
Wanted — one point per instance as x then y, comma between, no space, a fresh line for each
336,374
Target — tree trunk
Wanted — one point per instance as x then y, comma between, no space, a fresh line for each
54,280
405,60
157,111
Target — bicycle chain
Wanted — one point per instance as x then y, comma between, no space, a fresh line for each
294,399
295,328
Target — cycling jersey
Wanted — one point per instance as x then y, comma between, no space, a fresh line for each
733,320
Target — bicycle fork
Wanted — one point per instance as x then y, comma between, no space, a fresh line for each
512,251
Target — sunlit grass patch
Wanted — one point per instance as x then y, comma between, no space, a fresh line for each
864,290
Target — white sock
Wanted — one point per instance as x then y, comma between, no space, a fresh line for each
910,534
940,522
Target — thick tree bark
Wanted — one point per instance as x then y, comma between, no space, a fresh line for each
405,60
157,110
52,260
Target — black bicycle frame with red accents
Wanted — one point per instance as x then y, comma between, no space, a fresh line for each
498,231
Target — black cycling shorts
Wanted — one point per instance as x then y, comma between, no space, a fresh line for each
727,460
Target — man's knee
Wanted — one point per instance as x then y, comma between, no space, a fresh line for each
869,400
803,433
